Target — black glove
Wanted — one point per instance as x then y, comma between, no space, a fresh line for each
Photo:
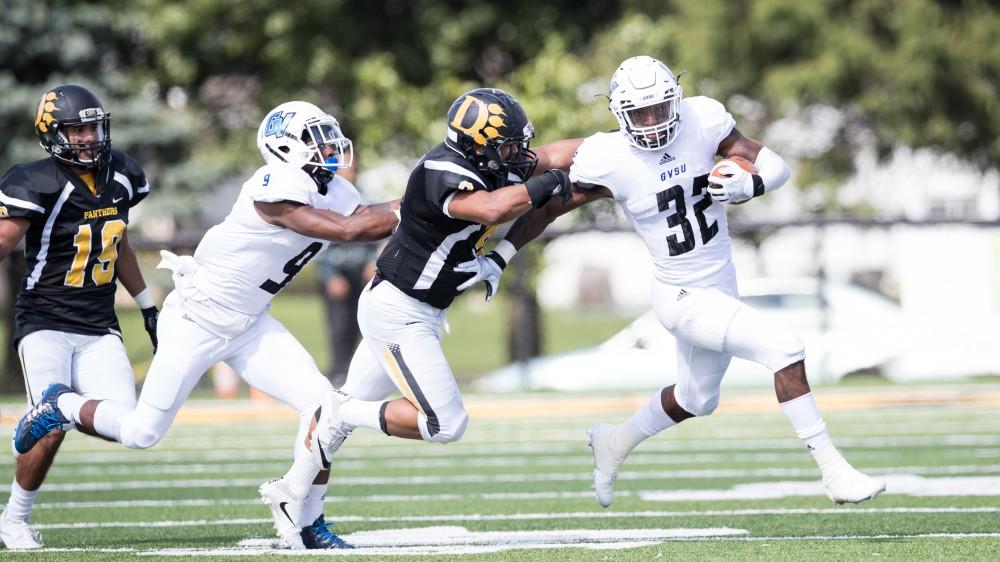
552,182
149,316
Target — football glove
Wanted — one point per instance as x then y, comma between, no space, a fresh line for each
729,183
149,316
484,268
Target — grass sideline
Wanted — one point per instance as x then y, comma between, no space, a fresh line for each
520,477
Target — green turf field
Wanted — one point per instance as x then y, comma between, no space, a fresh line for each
734,486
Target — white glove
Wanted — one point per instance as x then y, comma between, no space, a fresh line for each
729,183
486,269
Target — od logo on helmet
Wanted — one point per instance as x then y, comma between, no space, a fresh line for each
484,113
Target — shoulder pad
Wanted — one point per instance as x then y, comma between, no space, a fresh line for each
277,182
599,154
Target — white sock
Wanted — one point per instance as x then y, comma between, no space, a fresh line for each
643,424
313,506
304,470
107,419
69,404
363,413
805,418
20,503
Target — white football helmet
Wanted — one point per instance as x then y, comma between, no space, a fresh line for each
646,100
296,132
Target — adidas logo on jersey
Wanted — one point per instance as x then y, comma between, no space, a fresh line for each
666,159
682,294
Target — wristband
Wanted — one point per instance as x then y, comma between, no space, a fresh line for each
504,251
144,299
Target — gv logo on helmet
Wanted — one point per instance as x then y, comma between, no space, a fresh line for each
277,123
485,114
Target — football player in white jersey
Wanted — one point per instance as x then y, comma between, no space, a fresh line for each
657,166
286,213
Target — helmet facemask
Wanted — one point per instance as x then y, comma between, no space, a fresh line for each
490,128
646,98
300,134
64,108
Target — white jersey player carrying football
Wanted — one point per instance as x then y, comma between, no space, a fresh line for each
286,213
660,167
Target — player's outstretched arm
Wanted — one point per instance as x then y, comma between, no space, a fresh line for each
558,154
508,203
328,225
12,230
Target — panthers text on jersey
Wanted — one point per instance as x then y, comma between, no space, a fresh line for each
244,261
72,241
421,255
663,192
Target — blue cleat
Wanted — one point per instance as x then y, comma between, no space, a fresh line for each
319,536
41,420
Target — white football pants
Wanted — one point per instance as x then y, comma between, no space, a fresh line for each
711,326
96,367
266,355
401,350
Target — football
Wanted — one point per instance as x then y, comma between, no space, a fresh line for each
738,160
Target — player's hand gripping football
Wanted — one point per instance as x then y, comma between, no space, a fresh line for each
484,268
149,317
731,180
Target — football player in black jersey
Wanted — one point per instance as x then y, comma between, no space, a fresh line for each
72,210
484,174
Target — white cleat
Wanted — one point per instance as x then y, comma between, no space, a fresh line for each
286,510
331,431
846,484
18,535
606,463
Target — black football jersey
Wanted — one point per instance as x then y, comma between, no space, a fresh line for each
421,255
71,246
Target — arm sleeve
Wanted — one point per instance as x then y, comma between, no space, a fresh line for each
17,199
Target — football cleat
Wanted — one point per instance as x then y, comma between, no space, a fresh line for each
41,420
331,431
846,484
606,462
18,535
286,508
319,536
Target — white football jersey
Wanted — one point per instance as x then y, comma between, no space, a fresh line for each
243,261
663,192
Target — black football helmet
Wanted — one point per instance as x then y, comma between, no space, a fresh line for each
68,105
489,127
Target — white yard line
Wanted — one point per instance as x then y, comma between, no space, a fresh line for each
443,541
460,517
507,478
376,449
